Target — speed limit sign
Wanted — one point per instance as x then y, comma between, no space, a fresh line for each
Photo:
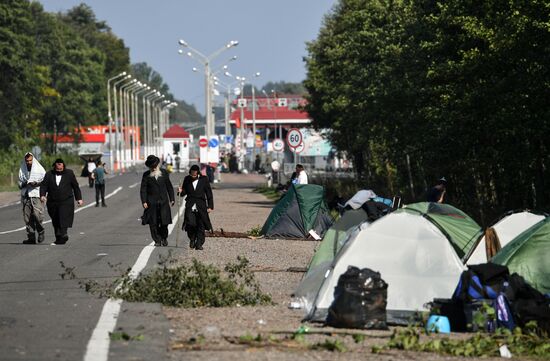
294,138
278,145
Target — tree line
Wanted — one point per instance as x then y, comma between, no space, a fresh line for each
414,90
53,75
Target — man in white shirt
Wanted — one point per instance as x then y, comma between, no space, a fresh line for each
301,174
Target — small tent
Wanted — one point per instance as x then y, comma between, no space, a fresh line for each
335,236
417,251
528,255
302,209
507,227
329,247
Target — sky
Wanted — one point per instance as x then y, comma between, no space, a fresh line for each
272,37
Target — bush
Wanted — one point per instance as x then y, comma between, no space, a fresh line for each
197,285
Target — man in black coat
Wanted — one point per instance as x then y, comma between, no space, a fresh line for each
198,204
157,196
60,188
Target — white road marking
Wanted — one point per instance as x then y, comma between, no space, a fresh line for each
10,204
98,346
133,185
76,211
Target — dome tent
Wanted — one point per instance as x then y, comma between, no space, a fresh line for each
528,255
301,210
507,227
418,251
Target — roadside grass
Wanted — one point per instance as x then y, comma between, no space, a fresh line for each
270,193
8,188
255,231
176,285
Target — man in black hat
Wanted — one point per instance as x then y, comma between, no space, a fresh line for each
157,196
60,188
198,204
437,193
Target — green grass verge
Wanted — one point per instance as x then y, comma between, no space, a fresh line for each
270,193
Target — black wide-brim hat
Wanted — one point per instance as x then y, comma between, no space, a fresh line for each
152,161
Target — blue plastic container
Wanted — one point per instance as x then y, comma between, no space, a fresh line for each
438,324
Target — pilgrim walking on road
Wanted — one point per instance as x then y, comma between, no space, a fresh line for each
59,190
31,175
198,204
157,196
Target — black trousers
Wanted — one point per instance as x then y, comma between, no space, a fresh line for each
61,236
196,233
158,232
100,190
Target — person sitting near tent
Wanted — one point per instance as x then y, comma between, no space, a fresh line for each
437,193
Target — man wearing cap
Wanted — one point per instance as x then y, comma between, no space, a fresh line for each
31,174
198,204
437,193
157,196
60,188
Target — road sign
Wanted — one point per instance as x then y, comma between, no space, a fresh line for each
203,142
298,149
241,103
294,138
278,145
213,143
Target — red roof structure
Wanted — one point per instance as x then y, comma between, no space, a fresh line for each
175,131
273,111
84,138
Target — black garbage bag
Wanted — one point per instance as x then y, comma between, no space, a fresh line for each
360,300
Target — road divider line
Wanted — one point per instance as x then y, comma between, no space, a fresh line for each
98,345
76,211
133,185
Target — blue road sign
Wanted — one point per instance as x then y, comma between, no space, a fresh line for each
213,143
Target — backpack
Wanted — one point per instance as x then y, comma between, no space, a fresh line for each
483,281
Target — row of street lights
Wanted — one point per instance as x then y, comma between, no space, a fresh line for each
155,109
206,61
210,81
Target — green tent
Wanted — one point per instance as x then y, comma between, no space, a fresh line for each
461,230
528,255
336,235
302,209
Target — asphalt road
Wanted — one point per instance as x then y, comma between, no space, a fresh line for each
45,317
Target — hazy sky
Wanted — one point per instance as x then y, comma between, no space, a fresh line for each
271,35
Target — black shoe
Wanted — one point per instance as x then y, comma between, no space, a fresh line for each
164,242
41,237
29,241
104,205
97,204
157,244
199,248
192,244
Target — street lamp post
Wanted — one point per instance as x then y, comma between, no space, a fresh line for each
130,134
146,124
155,136
205,61
123,118
136,144
117,120
110,118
